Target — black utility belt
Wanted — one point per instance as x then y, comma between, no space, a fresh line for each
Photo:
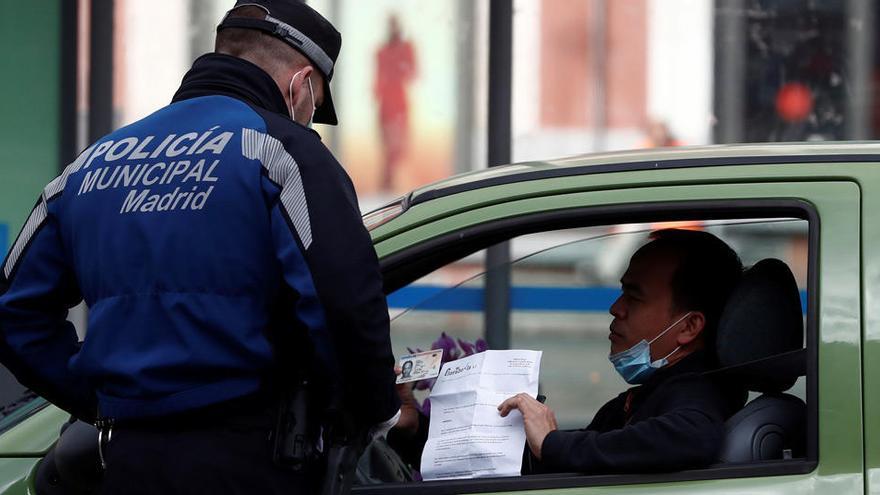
252,411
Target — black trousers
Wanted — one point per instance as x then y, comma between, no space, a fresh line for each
211,452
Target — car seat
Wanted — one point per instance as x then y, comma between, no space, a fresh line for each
760,347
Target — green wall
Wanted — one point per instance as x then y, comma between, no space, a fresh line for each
30,33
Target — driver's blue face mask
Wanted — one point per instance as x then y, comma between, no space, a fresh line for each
635,365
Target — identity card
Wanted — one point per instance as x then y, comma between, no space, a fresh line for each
420,366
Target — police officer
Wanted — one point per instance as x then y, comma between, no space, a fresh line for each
215,242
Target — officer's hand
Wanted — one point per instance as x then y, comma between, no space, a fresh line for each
539,419
409,411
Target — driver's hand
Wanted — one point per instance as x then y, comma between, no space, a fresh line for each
409,411
539,419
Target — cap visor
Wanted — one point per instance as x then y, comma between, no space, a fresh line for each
326,113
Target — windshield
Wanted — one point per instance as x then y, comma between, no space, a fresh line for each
16,402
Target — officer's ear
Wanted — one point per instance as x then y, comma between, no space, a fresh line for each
301,83
691,328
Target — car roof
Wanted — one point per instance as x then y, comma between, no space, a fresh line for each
654,158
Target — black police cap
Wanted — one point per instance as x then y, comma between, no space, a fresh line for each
301,27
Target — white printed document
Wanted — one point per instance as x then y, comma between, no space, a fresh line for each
467,437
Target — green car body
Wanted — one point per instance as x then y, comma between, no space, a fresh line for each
836,187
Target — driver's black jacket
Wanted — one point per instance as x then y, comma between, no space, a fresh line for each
673,421
206,239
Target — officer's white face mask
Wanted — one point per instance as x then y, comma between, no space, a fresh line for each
290,98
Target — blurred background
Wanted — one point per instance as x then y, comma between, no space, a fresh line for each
413,79
418,85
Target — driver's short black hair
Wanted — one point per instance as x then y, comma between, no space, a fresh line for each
708,270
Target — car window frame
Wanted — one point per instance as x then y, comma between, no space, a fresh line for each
415,261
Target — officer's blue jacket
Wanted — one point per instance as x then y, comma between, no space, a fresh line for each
199,237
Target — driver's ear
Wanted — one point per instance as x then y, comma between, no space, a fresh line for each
692,328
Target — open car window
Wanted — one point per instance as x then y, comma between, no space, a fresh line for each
562,285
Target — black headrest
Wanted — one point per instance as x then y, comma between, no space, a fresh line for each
762,318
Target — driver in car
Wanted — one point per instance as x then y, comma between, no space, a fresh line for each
662,340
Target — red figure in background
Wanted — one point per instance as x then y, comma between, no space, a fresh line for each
395,69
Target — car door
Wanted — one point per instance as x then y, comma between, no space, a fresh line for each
26,435
870,297
832,303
